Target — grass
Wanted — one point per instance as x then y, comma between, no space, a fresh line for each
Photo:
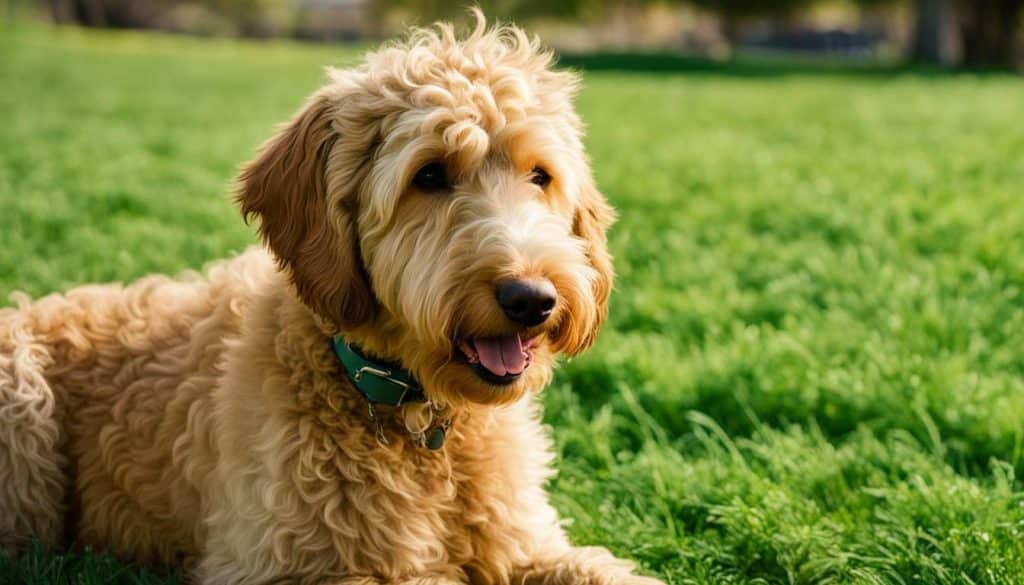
814,367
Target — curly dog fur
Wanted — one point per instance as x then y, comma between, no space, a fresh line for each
204,420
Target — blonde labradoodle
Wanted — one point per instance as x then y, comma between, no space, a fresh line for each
355,405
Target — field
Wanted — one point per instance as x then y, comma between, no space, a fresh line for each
814,367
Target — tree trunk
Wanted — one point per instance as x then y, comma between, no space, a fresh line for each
989,32
61,11
90,13
731,25
931,33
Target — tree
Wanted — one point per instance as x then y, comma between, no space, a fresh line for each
102,13
989,31
734,12
932,28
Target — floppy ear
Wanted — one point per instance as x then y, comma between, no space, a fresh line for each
592,219
287,188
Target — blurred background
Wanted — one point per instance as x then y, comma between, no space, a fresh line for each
947,33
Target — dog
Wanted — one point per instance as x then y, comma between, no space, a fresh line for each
355,401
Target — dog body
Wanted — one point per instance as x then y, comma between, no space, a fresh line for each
434,208
207,419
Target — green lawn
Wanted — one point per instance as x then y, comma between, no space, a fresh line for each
814,368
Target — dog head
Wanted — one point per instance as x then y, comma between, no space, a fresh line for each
436,207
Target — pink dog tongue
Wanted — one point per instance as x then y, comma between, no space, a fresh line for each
501,355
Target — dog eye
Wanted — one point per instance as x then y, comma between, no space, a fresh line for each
540,177
432,177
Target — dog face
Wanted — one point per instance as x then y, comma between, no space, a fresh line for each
435,205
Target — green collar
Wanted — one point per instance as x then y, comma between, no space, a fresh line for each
381,382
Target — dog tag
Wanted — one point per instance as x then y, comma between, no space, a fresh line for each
435,439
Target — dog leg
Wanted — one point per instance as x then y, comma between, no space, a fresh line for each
32,468
590,565
451,578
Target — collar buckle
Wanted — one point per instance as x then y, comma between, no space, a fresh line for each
380,382
384,375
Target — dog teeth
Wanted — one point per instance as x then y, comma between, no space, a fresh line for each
470,353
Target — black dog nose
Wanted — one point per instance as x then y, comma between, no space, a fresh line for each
528,302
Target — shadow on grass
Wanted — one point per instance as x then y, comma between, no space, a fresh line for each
753,66
38,566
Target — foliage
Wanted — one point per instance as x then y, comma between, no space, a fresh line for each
251,18
814,366
734,8
990,31
426,11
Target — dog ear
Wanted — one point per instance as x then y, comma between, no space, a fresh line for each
592,219
312,234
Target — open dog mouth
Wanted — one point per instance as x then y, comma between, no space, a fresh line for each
498,360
